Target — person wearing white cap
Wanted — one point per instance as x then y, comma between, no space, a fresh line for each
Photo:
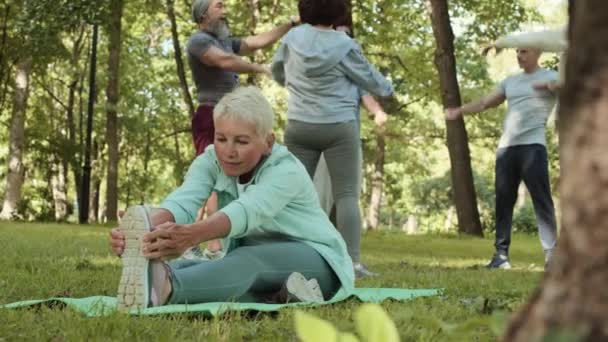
522,154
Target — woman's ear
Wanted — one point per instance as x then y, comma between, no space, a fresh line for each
269,143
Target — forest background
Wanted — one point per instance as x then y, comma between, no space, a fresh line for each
141,144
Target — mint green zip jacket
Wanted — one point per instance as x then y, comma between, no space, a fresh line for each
281,199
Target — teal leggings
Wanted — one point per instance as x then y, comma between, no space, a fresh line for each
252,272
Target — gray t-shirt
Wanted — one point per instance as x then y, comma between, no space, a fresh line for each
528,108
211,82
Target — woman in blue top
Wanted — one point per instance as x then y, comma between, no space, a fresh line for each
323,71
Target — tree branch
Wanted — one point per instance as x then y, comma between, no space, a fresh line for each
176,132
48,91
412,102
390,56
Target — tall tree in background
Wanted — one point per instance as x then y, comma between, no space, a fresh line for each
85,191
463,188
571,301
16,171
3,63
112,92
179,62
75,84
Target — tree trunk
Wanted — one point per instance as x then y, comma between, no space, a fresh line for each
114,32
571,301
457,139
3,62
449,219
83,206
76,79
254,10
94,200
59,191
56,158
147,157
16,171
410,226
180,167
96,180
179,63
373,211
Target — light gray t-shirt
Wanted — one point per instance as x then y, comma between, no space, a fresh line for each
528,108
211,82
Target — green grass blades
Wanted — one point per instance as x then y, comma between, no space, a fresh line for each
51,260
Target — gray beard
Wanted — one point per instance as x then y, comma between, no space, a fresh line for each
221,29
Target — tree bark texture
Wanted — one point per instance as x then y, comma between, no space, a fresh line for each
571,301
112,92
59,191
179,62
256,57
463,188
16,170
3,63
76,79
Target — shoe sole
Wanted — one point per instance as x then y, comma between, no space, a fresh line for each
133,286
302,290
503,266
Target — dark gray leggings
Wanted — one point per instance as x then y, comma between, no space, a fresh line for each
252,272
339,142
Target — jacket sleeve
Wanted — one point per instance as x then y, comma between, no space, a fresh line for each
278,65
185,201
261,202
356,67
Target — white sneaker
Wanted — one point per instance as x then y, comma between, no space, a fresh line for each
298,289
134,289
193,253
215,255
361,271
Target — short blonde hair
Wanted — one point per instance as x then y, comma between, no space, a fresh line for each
247,104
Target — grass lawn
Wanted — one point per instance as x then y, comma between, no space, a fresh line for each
47,260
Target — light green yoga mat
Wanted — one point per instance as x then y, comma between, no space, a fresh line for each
101,305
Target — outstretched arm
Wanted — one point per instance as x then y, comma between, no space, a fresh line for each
231,62
492,100
374,108
262,40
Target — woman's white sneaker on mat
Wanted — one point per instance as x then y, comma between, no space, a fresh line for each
134,289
